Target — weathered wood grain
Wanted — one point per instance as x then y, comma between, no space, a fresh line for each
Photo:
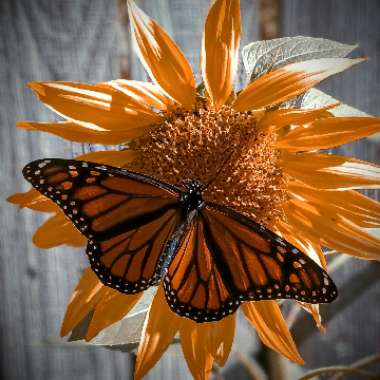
356,331
45,40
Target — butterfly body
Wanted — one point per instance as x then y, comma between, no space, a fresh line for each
141,230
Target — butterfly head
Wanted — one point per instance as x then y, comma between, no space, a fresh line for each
192,198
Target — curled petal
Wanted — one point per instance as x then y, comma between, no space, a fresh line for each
220,48
86,295
327,171
162,58
313,309
160,326
58,230
274,120
83,133
111,308
266,318
330,230
289,81
328,133
34,200
98,107
356,207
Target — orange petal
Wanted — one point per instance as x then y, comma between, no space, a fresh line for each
34,200
331,230
99,106
86,295
79,133
361,210
201,341
146,93
266,318
289,81
119,158
274,120
220,48
328,171
58,230
220,338
162,58
160,326
195,347
111,308
328,133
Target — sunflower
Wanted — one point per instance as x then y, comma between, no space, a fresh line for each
173,130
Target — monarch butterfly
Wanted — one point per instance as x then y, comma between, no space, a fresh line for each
141,230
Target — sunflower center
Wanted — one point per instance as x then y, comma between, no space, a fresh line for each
223,149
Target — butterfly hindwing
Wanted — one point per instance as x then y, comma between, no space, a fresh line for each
127,217
132,261
226,258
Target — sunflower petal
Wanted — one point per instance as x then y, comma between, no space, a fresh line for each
98,107
274,120
58,230
266,318
147,94
331,230
289,81
34,200
119,158
201,340
111,308
87,293
221,336
83,134
160,326
162,58
328,133
328,171
356,207
220,48
195,347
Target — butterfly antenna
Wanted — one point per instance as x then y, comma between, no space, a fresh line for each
225,161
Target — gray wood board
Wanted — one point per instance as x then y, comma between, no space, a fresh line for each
356,331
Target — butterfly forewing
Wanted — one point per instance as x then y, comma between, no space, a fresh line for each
127,217
132,261
102,201
226,258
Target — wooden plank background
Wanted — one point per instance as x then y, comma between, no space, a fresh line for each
86,40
